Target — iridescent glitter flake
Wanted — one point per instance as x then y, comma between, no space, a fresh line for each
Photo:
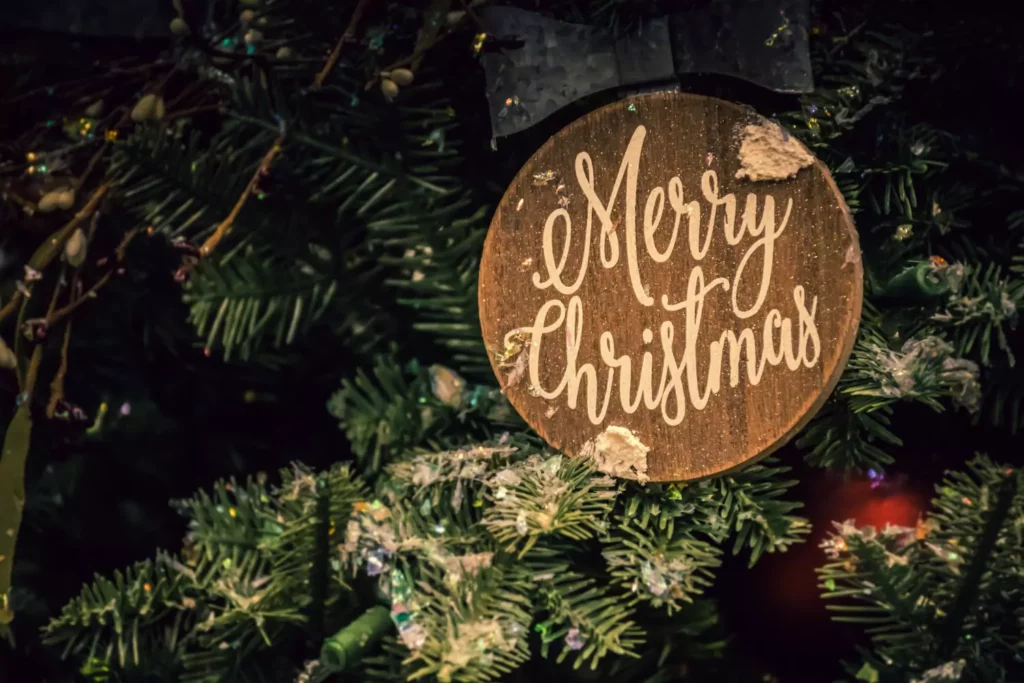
447,385
544,177
376,562
514,107
950,672
575,640
903,232
515,341
413,636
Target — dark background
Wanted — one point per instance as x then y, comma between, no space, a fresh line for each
193,419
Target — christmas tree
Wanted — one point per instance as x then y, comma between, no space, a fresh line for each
217,252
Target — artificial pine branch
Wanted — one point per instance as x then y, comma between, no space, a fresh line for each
319,572
410,428
940,596
980,561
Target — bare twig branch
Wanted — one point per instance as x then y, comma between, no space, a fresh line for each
347,37
224,227
49,250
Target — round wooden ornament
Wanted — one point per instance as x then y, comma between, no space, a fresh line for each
671,285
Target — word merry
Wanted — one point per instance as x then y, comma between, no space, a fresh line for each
763,228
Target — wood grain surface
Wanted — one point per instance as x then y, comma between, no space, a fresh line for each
721,428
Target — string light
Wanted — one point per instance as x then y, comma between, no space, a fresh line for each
478,42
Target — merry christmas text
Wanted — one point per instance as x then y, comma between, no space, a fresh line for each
776,339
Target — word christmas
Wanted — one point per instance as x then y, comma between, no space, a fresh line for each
789,338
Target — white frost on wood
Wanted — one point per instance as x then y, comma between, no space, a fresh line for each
852,254
618,452
767,152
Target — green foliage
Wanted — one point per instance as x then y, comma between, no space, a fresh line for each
591,612
236,302
399,408
470,547
124,621
1003,402
472,635
945,593
253,570
922,369
181,190
981,311
747,507
368,225
1015,222
556,497
670,568
841,438
853,429
439,262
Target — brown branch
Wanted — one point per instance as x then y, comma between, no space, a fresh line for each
348,36
433,18
410,60
9,307
95,159
185,92
225,226
61,313
26,205
110,73
17,341
57,385
190,112
49,250
53,317
126,114
467,5
33,371
56,293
